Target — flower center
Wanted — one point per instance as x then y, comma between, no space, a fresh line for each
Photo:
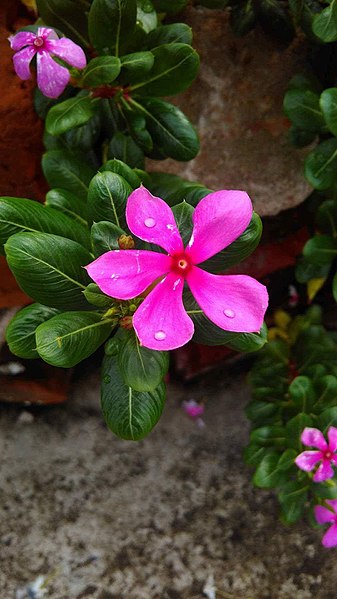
181,264
328,455
38,42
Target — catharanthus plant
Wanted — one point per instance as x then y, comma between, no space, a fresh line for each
234,302
326,515
52,78
325,453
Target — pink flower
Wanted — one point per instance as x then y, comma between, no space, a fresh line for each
307,460
233,302
324,515
193,409
52,78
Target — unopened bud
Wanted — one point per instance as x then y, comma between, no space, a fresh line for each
126,323
126,242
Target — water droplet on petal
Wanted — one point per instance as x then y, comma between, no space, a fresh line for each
160,335
149,222
229,313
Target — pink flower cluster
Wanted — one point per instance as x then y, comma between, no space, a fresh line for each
233,302
52,78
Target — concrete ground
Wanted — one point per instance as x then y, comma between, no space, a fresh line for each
171,517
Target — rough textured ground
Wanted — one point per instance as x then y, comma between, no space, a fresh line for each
107,519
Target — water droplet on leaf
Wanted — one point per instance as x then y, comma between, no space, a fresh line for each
107,379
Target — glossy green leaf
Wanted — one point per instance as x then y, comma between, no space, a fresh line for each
267,474
302,107
320,249
271,435
328,104
108,194
325,491
253,454
135,66
96,297
18,214
302,394
124,148
105,235
139,133
68,170
85,137
169,34
20,333
326,419
305,271
261,411
183,216
72,205
68,114
301,137
68,338
49,269
275,19
128,413
294,429
321,165
293,497
101,70
326,388
170,130
70,16
142,369
174,189
146,15
287,459
326,217
111,24
325,23
169,6
122,169
175,67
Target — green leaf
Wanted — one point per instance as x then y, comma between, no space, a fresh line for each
175,67
70,16
242,17
68,338
20,333
325,23
68,114
294,429
287,459
96,297
301,137
122,169
124,148
237,251
146,15
18,215
326,388
305,271
128,413
326,217
174,189
108,193
183,216
326,419
328,104
269,435
302,107
72,205
111,24
320,250
267,474
49,269
325,490
171,131
65,169
138,131
101,70
135,66
261,411
302,394
142,369
275,19
292,497
169,34
253,454
321,165
169,6
85,137
334,287
105,235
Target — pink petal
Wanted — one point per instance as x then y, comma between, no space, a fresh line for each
333,503
47,33
323,514
332,436
52,78
333,460
323,472
161,321
21,39
127,273
307,460
21,61
233,302
68,51
330,537
152,220
219,219
314,438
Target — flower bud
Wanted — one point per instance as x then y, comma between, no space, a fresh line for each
126,323
126,242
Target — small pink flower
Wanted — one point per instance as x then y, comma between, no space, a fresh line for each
52,78
234,302
307,460
324,515
193,409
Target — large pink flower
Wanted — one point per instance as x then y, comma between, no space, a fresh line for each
233,302
326,454
324,515
52,78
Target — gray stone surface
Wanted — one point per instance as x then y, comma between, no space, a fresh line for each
236,105
107,519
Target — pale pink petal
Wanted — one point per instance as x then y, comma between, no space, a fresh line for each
52,78
152,220
330,537
332,503
332,436
333,459
47,33
314,438
219,219
21,39
307,460
127,273
323,472
68,51
233,302
21,61
161,321
323,514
